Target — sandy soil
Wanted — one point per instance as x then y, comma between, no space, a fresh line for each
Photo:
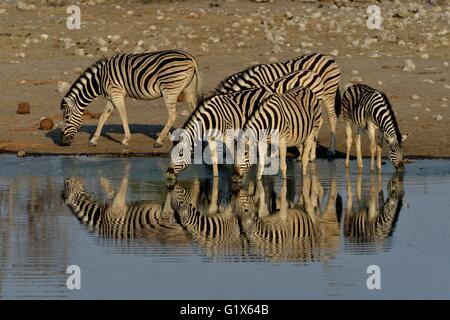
38,52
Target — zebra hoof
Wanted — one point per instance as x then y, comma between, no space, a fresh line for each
125,143
157,145
92,143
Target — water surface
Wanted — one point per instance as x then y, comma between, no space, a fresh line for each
135,237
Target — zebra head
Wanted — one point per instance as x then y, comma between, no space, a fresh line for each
396,153
72,119
180,158
73,188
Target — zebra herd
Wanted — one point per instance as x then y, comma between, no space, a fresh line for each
289,224
278,100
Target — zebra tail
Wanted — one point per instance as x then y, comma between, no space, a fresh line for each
198,85
337,103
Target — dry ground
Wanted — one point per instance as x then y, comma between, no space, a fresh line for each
225,37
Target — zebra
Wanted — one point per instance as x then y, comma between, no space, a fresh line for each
217,114
293,118
370,109
325,66
367,223
118,220
143,76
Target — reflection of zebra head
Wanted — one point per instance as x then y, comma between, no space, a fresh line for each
82,92
369,223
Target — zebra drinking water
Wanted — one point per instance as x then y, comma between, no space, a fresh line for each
143,76
370,109
323,65
293,118
218,114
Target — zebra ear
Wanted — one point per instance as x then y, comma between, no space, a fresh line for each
405,136
68,101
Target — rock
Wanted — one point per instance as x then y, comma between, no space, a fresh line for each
79,52
21,5
101,42
428,81
24,108
408,66
46,124
63,86
104,49
438,117
21,153
415,97
334,52
425,56
44,36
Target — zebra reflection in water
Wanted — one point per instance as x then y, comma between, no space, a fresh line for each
369,222
291,228
116,219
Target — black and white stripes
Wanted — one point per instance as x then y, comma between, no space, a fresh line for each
142,76
370,109
323,65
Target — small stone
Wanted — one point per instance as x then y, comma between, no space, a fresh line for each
24,108
102,42
21,5
104,49
445,64
438,117
79,52
425,56
415,97
334,52
21,153
2,11
44,36
46,124
63,86
408,66
115,38
428,81
416,118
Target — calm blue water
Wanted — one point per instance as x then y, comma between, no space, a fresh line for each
206,239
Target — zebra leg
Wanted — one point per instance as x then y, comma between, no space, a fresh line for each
262,152
119,104
104,116
312,156
213,207
213,151
371,133
306,152
283,166
379,149
329,104
348,130
358,148
171,103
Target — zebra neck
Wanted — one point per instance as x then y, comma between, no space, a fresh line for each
86,88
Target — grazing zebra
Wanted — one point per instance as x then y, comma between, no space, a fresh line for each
294,118
142,76
214,227
370,109
367,223
220,113
323,65
119,220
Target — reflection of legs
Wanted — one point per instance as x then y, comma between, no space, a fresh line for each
371,133
373,199
348,131
119,104
262,208
213,151
213,207
104,116
358,148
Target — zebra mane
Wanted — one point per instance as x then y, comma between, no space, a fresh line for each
394,119
92,69
222,84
